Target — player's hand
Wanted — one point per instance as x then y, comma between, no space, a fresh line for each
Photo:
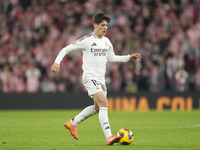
135,56
55,67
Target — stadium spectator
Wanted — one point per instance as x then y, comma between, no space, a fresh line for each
197,79
156,79
143,83
33,75
166,33
181,80
48,84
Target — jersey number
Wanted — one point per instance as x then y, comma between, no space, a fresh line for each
95,82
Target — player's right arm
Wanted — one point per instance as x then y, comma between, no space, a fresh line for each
66,50
55,67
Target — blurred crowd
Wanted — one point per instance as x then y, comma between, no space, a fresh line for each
165,32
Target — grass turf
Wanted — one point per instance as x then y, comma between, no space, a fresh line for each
153,130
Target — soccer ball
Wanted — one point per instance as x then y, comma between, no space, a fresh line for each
126,136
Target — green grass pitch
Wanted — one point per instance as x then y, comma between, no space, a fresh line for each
153,130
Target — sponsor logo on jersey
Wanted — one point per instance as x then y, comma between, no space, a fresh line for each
94,44
99,50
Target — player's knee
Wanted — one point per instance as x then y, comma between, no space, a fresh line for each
100,99
104,103
101,104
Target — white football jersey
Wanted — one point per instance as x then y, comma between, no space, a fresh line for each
96,53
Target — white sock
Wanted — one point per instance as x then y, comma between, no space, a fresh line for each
84,114
103,118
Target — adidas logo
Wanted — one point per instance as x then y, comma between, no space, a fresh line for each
107,128
94,44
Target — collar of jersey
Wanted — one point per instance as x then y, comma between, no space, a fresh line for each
94,34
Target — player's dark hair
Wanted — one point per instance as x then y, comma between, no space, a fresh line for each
98,17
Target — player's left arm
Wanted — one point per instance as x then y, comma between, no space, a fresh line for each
121,58
135,56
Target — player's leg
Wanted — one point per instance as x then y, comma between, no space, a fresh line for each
102,102
84,114
71,125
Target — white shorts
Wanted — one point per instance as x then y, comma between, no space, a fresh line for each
93,86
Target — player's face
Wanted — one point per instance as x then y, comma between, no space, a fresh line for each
101,28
